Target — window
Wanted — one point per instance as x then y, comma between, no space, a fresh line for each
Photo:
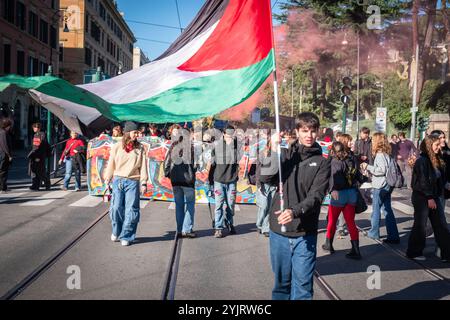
53,37
7,58
131,48
101,63
20,15
43,68
8,10
53,4
102,12
95,31
86,23
88,56
20,62
61,53
43,35
33,65
33,24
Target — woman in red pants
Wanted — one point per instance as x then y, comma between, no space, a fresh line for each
344,176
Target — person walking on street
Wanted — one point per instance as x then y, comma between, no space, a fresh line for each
445,153
266,183
223,174
342,229
305,176
344,196
363,154
5,153
39,153
67,156
405,150
180,168
394,146
127,167
428,184
382,191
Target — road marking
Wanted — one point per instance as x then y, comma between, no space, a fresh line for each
403,207
143,203
88,201
45,199
9,196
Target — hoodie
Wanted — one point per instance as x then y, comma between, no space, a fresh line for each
306,175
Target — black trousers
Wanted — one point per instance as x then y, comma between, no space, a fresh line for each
4,168
417,238
39,174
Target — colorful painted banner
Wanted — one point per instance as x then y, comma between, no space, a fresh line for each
159,187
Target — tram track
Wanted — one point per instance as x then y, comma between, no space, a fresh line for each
435,274
42,268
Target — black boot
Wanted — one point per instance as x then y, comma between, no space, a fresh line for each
354,253
328,245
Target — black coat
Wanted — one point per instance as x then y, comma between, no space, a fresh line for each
424,179
181,171
345,174
306,175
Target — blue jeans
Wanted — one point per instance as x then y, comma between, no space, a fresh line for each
225,194
184,203
264,197
382,200
68,175
293,263
125,211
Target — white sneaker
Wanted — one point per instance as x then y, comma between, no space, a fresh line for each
114,238
125,243
420,258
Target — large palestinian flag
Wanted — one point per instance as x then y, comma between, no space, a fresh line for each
219,61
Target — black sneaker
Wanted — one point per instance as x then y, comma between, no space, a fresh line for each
266,234
231,229
190,235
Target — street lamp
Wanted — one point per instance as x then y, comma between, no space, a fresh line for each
50,73
292,90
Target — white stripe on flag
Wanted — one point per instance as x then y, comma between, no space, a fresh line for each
152,78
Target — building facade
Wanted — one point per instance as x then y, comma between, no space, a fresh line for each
94,34
139,58
28,45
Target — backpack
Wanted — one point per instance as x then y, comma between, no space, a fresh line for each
394,176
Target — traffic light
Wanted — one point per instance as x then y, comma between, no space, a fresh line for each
424,124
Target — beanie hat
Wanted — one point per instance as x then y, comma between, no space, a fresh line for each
130,126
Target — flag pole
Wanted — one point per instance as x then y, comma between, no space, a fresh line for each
277,120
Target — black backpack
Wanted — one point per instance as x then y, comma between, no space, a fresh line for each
394,176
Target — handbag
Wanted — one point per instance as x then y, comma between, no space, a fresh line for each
361,204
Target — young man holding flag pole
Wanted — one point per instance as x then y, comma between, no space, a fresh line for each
305,174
